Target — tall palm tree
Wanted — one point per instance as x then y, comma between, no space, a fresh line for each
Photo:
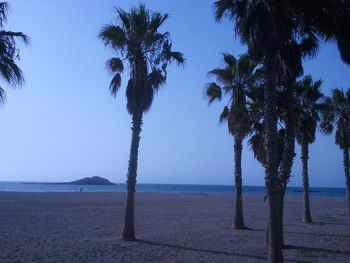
337,117
137,41
265,27
309,103
234,80
270,28
9,52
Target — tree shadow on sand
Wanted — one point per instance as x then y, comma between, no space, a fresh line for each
212,251
318,234
330,223
255,229
324,250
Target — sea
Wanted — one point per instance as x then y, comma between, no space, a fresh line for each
160,188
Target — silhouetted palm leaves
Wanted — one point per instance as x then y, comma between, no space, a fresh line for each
9,52
147,51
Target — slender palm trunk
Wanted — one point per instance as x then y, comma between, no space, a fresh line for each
304,159
238,222
128,231
271,148
288,153
347,174
281,217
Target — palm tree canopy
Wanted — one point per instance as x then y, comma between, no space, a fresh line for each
256,110
234,80
326,19
309,102
257,142
9,52
137,40
337,116
288,30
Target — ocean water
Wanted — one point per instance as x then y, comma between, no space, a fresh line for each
159,188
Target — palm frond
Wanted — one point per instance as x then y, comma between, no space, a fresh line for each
229,60
156,79
336,116
178,57
338,97
123,17
309,105
13,37
327,128
344,48
139,21
246,66
2,95
213,92
256,142
223,76
224,115
156,21
223,8
10,72
9,51
113,36
115,84
115,65
309,45
4,12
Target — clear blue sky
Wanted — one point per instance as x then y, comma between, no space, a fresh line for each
63,124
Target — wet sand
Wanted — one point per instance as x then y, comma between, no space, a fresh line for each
85,227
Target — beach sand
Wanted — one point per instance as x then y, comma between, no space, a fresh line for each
85,227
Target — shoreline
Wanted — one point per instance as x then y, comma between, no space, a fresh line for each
163,188
298,195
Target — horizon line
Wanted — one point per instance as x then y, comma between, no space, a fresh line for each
180,184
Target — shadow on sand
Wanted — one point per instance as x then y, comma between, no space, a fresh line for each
213,251
318,234
324,250
330,223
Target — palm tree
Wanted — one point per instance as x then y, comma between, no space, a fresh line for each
235,79
9,52
270,28
265,27
137,41
309,103
337,116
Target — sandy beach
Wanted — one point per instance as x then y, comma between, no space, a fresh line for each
85,227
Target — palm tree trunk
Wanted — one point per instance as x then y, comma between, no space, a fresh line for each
280,224
347,174
128,231
238,217
288,153
281,217
271,149
304,159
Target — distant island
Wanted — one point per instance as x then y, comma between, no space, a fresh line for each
95,180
